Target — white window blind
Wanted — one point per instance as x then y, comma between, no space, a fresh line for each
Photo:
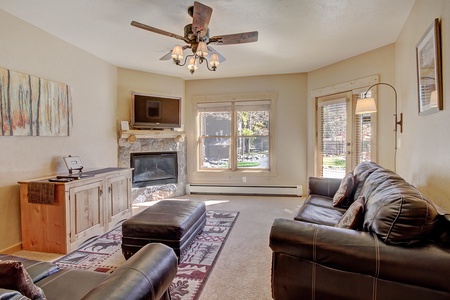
333,133
257,105
214,106
363,136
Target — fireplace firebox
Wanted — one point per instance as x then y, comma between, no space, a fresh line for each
154,168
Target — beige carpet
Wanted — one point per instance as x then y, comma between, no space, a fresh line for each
242,270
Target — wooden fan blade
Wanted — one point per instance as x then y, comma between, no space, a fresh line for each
237,38
212,50
201,18
156,30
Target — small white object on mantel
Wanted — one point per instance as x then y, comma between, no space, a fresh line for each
124,125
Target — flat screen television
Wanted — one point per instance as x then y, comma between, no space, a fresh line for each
155,112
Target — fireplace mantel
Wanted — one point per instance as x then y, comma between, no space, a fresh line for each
152,134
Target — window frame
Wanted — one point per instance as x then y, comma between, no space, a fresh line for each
233,169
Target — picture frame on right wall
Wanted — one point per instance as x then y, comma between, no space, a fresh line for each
429,70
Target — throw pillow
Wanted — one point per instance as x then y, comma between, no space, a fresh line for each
13,276
345,189
353,217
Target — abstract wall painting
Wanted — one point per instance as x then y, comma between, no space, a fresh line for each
33,106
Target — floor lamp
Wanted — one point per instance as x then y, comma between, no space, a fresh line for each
367,106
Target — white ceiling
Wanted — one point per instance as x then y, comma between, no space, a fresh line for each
294,35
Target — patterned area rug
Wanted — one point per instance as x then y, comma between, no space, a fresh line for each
104,254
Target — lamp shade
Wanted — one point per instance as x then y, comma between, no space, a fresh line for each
202,49
214,61
365,106
193,64
177,53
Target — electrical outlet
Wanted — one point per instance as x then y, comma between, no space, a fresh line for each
244,179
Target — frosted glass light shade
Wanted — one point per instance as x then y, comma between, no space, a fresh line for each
365,106
214,61
177,53
202,49
193,64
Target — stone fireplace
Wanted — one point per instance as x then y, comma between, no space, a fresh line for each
154,158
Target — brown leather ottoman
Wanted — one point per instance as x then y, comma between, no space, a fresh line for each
171,222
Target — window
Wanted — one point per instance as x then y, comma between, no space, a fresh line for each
234,135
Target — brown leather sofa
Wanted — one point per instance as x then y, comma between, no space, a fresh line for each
399,250
146,275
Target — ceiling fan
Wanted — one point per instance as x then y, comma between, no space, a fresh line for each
196,36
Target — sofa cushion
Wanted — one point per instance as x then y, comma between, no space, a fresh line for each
365,166
345,190
318,214
360,174
323,186
353,217
14,276
396,211
323,201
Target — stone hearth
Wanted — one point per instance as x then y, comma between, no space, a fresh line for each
157,144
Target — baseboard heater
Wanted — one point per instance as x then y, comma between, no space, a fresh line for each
282,190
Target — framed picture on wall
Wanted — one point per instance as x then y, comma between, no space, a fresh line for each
429,70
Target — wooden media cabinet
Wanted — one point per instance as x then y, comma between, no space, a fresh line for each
81,209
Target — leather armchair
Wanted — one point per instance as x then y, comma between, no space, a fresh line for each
146,275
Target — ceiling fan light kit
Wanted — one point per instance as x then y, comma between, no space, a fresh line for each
196,36
214,60
177,53
202,50
193,64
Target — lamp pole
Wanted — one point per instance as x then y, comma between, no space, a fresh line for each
397,122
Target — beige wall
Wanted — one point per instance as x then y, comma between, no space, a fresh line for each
147,83
290,132
26,49
377,62
424,159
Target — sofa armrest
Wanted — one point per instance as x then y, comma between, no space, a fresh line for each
323,186
361,252
146,275
37,269
338,248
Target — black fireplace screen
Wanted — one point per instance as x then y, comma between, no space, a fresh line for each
154,168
